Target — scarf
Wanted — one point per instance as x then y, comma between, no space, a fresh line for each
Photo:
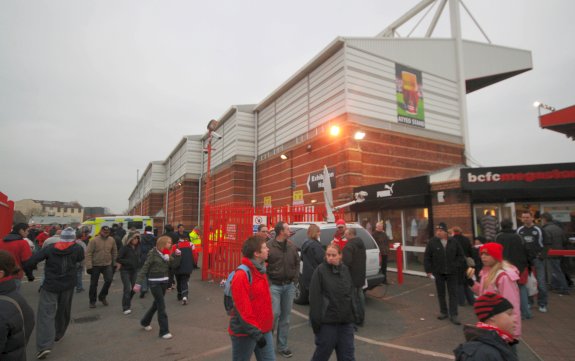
506,336
261,267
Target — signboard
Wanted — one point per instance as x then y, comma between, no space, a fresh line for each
410,192
268,201
519,177
315,180
231,231
297,198
259,220
409,96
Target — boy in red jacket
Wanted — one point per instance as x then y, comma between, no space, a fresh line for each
252,317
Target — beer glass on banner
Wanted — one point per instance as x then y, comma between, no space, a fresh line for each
410,92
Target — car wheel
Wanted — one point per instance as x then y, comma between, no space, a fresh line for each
301,294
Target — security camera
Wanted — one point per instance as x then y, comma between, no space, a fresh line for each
217,135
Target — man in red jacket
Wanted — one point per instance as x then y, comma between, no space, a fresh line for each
252,317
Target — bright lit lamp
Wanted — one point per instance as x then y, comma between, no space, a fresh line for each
359,135
283,156
540,105
334,130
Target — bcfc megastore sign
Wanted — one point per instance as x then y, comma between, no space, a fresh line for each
534,176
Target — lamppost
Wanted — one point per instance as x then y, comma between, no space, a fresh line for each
540,105
212,125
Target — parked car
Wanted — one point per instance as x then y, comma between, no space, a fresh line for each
372,264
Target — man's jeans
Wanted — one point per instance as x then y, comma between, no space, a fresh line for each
282,302
53,317
541,282
558,280
524,298
95,276
79,275
244,347
128,281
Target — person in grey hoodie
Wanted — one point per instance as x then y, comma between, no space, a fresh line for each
55,303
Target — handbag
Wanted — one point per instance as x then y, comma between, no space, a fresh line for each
531,285
523,276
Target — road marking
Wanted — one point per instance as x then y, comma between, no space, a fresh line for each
390,345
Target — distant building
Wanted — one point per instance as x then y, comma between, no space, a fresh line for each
32,207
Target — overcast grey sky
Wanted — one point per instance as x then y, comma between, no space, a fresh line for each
91,91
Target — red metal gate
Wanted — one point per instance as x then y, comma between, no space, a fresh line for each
226,227
6,214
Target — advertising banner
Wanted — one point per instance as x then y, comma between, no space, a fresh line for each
409,95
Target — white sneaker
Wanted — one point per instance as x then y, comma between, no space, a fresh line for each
167,336
184,301
543,309
148,328
127,312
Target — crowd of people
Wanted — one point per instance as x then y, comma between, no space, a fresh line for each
509,264
491,274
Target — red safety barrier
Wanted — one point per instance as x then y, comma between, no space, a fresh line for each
227,226
399,263
561,252
6,215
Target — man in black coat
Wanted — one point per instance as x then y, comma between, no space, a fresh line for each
443,258
354,257
55,303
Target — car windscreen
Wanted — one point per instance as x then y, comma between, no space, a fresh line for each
299,235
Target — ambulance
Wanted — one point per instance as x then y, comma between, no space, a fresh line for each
128,222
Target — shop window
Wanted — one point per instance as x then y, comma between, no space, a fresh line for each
416,226
368,220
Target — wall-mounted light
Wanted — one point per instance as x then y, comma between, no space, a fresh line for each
359,135
313,201
284,156
334,130
544,106
308,148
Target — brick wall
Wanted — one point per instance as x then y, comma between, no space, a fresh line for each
381,157
456,208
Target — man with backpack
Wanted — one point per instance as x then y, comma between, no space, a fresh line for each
252,318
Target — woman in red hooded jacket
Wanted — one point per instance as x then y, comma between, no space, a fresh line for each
252,318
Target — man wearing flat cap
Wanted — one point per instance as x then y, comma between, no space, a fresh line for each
443,258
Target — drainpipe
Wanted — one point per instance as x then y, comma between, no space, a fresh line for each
168,178
254,170
200,185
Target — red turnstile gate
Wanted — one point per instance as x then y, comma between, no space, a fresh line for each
226,227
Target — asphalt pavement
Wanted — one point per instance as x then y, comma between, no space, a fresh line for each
400,325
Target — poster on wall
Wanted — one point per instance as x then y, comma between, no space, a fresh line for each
409,96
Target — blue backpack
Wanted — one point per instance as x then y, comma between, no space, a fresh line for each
228,300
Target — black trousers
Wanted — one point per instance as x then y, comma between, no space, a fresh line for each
337,337
182,281
449,281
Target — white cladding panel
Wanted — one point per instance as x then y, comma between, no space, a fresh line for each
434,56
487,59
238,138
314,100
372,93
